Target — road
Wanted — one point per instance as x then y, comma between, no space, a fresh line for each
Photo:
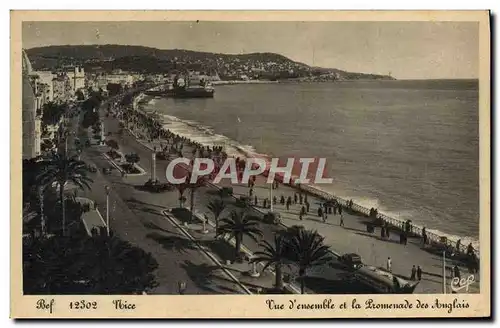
136,216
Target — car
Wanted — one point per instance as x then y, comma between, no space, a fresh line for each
352,261
92,168
272,218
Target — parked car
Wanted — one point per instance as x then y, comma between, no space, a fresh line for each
352,261
107,170
272,218
92,168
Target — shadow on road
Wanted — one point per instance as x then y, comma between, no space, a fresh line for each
343,286
153,226
138,202
204,276
175,243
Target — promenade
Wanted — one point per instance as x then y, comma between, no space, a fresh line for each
352,238
139,217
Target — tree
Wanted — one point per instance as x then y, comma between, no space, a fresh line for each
113,144
399,288
274,254
52,113
181,187
79,95
193,187
306,249
88,265
132,158
240,224
61,169
216,206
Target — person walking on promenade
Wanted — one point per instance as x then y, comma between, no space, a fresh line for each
275,200
307,206
382,232
456,272
300,198
470,249
341,220
457,246
413,272
320,212
419,273
250,192
295,198
255,200
325,217
265,203
288,203
340,210
389,264
282,200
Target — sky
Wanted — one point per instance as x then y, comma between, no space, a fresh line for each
407,50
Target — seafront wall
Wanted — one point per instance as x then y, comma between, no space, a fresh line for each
395,223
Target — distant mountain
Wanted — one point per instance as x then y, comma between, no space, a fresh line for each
152,60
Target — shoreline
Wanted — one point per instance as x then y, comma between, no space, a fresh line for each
398,224
231,82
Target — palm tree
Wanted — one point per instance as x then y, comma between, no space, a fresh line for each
216,206
193,187
399,288
306,249
238,225
62,169
274,254
181,188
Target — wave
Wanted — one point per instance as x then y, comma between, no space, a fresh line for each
206,135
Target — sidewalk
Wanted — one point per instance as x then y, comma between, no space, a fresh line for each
353,238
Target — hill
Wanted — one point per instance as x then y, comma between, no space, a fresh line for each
152,60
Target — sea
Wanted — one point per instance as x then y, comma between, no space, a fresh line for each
408,148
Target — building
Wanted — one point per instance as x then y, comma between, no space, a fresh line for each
126,80
77,79
62,88
46,78
31,120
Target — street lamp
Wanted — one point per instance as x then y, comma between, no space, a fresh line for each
106,189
